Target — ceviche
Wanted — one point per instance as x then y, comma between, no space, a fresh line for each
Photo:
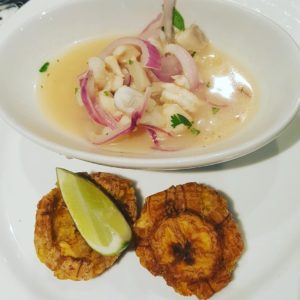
167,84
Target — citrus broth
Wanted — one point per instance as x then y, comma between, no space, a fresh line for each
223,79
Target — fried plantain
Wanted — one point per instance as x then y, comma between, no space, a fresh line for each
187,235
59,244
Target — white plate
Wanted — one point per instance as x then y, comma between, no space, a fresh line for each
262,188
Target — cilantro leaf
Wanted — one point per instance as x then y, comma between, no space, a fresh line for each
195,131
178,20
44,67
178,119
215,110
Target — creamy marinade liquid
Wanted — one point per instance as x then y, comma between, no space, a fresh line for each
223,79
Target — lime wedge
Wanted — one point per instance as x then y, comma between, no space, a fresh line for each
97,218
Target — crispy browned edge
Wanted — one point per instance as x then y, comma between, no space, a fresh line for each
120,190
213,207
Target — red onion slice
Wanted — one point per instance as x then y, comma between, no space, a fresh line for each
170,66
152,77
153,28
153,136
110,121
168,18
188,64
127,79
118,132
156,144
95,111
152,131
114,134
152,127
150,54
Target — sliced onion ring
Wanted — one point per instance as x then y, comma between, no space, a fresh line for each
170,66
153,136
96,112
114,134
152,77
153,131
127,79
188,64
156,144
150,54
148,126
153,28
118,132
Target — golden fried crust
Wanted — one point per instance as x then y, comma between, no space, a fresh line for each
187,235
59,244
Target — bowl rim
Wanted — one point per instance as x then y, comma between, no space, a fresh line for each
35,8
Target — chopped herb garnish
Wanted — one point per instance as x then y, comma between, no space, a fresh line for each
178,20
44,67
208,85
215,110
195,131
130,61
163,28
178,119
76,90
106,93
193,53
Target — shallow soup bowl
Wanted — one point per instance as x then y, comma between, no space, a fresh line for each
37,34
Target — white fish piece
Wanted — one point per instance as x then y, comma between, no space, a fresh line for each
113,64
138,73
151,105
156,88
125,120
97,67
113,82
155,117
172,93
106,131
125,53
181,81
127,99
91,87
108,104
172,109
192,39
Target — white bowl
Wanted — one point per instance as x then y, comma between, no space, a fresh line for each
34,35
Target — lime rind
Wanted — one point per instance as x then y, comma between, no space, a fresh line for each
97,218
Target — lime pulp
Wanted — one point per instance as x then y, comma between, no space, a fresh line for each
97,218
